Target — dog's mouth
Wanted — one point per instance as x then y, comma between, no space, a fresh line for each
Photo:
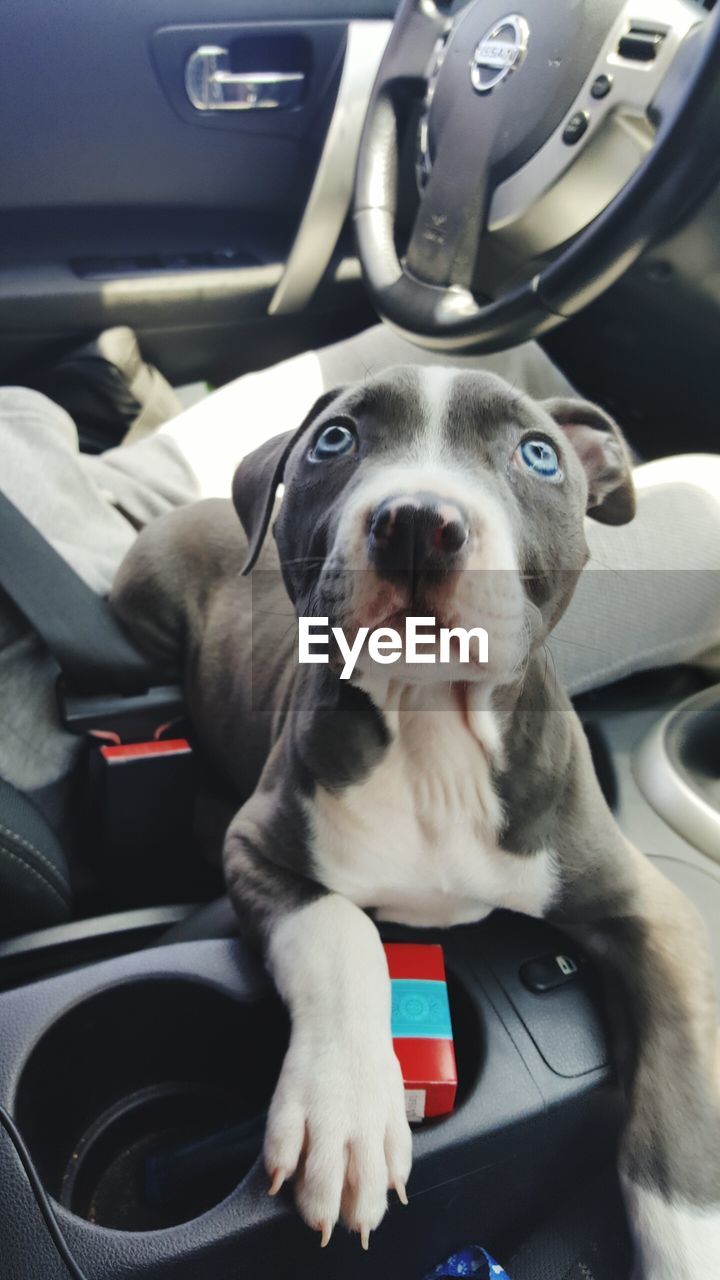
398,619
381,603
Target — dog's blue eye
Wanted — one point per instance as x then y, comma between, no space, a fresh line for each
540,457
333,442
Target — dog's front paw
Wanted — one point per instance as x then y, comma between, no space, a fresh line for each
337,1122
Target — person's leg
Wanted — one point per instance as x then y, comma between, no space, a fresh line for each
650,595
526,366
215,434
88,509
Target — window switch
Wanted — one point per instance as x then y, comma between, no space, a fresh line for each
549,972
640,44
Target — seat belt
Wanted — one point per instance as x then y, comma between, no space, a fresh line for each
138,769
85,639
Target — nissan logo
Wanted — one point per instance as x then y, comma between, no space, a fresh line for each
500,51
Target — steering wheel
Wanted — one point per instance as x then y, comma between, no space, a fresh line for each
550,147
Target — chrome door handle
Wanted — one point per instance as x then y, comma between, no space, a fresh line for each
212,86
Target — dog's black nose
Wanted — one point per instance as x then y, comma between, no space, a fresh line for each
408,536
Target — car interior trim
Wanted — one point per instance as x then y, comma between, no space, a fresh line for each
662,780
329,200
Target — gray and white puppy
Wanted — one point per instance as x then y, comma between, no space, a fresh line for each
427,795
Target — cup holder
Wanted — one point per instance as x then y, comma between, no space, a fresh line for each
678,768
144,1105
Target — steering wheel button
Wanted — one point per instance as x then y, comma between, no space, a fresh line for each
601,86
575,128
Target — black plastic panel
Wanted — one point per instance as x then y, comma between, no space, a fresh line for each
201,1014
85,120
564,1023
104,158
47,951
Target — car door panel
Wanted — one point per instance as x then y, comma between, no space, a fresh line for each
120,202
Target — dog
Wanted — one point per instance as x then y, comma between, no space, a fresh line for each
426,794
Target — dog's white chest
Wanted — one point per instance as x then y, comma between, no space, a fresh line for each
417,840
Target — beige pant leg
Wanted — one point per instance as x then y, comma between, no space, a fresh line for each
215,434
650,596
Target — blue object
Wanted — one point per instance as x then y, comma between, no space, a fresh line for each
473,1261
420,1009
540,457
334,441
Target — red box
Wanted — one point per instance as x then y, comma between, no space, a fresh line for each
421,1027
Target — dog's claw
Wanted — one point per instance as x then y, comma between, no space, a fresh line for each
278,1178
365,1237
326,1231
400,1191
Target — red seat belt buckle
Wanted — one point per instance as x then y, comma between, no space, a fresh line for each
126,752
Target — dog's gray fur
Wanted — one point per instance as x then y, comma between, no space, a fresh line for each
295,740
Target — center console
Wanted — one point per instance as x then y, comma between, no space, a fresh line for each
140,1086
140,1082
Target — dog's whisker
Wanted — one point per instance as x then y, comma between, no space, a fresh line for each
274,613
607,568
549,663
577,644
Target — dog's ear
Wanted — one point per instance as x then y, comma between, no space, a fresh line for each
256,480
601,448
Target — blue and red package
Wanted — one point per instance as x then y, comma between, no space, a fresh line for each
421,1028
